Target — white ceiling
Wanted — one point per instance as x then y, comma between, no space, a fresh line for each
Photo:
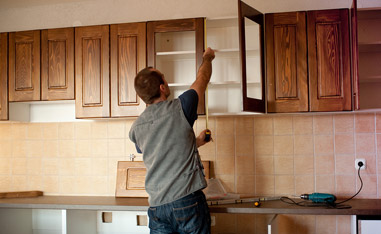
19,15
264,4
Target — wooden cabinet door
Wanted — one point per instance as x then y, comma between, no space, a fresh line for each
4,114
286,62
329,60
249,15
128,57
24,66
92,97
57,64
180,25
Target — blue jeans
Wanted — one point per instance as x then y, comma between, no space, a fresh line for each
189,214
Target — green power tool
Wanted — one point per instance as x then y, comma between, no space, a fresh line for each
319,197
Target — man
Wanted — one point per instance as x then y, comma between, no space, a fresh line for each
164,134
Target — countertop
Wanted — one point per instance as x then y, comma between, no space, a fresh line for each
358,206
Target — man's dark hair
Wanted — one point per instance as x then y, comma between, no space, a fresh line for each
147,84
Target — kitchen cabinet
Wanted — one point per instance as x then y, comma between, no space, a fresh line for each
175,47
128,57
57,64
92,72
53,78
4,76
317,80
369,59
24,66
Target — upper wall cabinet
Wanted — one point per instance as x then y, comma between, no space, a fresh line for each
24,66
99,71
175,47
326,65
4,76
92,72
57,64
128,57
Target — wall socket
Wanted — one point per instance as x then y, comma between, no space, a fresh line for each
360,160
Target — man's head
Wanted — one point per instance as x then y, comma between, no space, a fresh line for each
150,85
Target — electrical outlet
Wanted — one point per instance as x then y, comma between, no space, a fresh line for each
357,163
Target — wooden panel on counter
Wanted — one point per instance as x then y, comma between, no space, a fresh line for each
131,176
24,66
57,64
4,114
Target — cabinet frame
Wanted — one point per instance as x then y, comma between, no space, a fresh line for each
194,24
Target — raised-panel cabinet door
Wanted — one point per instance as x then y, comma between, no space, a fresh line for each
92,97
286,60
329,60
24,66
128,57
57,64
4,114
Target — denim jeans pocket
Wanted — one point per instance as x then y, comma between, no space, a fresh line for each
188,217
154,220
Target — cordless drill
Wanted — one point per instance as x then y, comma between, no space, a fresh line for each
319,197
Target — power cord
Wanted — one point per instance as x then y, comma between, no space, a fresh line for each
335,205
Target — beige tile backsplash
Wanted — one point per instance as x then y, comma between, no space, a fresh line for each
265,155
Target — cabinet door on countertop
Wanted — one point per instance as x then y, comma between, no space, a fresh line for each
128,57
57,64
286,60
329,60
24,66
92,72
4,76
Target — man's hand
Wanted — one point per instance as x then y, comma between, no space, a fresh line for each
208,54
200,140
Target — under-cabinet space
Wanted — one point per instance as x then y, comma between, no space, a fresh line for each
106,222
32,221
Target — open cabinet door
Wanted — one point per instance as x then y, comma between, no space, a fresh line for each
355,56
251,39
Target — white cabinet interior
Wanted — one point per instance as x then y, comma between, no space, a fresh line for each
175,58
369,42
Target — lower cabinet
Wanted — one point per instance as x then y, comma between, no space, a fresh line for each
51,221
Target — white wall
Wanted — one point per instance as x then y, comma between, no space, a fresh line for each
18,15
